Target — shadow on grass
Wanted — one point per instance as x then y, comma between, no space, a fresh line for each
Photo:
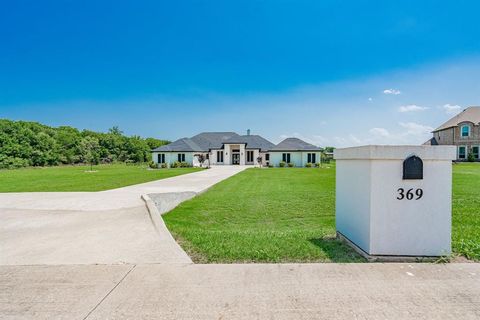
336,250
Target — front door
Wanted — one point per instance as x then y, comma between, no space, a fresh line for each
235,158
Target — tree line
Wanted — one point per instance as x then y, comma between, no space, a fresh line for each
24,143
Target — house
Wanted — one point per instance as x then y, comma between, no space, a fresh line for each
230,148
296,151
463,131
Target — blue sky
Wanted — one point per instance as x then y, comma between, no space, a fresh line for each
334,73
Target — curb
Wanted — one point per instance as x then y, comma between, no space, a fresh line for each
159,224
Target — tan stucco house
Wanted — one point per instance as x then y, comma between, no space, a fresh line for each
463,131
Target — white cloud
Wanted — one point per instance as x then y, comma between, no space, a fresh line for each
415,129
370,99
411,108
451,109
392,91
382,132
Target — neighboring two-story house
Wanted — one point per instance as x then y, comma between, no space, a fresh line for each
230,148
463,131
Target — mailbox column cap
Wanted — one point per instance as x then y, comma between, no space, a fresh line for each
387,152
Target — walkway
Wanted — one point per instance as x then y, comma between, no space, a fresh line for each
249,291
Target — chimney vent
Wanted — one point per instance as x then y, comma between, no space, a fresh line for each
248,132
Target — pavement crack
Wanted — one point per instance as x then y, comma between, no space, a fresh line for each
109,292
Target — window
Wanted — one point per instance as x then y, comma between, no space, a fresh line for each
161,158
465,131
462,152
311,158
219,156
181,157
286,157
249,156
475,152
267,157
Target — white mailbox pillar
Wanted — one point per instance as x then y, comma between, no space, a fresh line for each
395,200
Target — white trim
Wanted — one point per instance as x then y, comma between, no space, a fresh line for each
461,131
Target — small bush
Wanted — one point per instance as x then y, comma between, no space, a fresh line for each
308,165
317,165
153,165
185,165
291,165
175,164
163,166
282,164
471,157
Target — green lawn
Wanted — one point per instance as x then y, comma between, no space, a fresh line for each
77,178
466,210
287,215
263,215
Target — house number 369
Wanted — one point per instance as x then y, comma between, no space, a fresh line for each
410,194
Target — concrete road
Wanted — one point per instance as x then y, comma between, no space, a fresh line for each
254,291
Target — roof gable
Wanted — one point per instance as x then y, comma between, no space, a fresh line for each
252,142
471,114
295,144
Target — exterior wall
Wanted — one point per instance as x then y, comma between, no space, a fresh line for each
256,154
213,157
171,157
298,158
453,136
445,137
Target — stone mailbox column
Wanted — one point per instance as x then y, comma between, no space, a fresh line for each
395,200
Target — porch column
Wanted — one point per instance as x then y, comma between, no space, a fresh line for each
227,154
243,154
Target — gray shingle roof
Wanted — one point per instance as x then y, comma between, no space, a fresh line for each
295,144
471,114
431,142
252,142
202,142
212,140
182,145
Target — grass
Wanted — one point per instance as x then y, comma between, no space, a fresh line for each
466,210
263,215
287,215
77,178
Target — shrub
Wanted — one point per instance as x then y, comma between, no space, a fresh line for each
175,164
184,164
308,165
290,165
153,165
317,165
163,166
282,164
471,157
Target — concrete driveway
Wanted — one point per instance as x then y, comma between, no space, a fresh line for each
108,227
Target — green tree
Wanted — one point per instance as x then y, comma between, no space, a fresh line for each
89,150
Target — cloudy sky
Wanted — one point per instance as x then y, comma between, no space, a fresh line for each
341,74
